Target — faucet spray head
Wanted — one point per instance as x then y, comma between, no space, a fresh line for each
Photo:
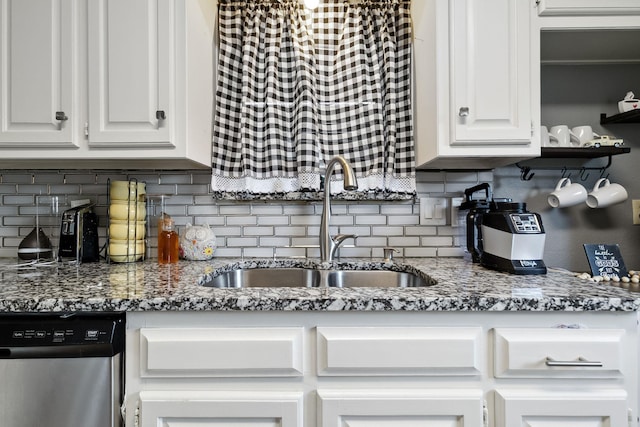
350,181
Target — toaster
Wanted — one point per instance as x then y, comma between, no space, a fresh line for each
79,234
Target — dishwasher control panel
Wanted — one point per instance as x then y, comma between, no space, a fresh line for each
29,335
61,335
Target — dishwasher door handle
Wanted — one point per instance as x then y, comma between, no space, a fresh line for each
58,351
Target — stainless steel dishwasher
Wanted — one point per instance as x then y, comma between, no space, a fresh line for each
61,370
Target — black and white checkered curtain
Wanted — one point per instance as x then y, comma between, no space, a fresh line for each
296,87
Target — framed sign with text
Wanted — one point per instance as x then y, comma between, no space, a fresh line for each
605,260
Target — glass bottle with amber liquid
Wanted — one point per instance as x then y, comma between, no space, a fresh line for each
168,241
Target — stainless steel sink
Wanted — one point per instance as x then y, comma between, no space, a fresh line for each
266,278
311,278
373,279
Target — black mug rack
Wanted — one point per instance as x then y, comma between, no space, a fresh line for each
526,170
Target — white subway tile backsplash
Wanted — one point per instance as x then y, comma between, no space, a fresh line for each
209,220
273,220
258,252
298,209
421,231
364,209
175,178
199,210
371,220
251,229
387,231
304,220
436,241
234,209
278,242
227,231
257,231
192,189
404,209
243,242
356,252
450,252
242,220
358,231
290,231
371,241
404,241
420,252
266,210
224,252
404,220
18,200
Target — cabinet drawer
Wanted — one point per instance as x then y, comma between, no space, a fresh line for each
382,351
221,352
559,353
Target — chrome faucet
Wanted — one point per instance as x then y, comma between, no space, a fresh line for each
329,245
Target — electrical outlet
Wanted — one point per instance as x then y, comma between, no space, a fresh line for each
455,204
636,211
433,211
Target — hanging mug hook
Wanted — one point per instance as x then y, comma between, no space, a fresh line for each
526,174
602,175
584,174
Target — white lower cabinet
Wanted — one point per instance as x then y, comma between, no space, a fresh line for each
381,369
605,408
404,408
217,409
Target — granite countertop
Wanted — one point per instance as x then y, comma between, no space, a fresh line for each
147,286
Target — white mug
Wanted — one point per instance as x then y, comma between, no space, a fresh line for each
567,194
547,140
606,195
584,134
564,135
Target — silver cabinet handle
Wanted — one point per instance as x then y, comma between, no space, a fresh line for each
61,116
581,362
160,115
464,111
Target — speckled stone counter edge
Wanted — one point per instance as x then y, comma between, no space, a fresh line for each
147,286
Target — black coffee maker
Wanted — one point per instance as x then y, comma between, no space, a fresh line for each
470,217
502,235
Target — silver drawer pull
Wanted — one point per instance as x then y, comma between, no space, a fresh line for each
581,362
464,111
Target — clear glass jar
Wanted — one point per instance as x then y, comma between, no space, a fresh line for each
168,241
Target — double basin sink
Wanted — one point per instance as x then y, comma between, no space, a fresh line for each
287,277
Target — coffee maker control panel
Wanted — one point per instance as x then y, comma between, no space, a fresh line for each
525,223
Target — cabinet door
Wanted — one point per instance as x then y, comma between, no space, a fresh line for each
400,408
604,408
130,72
37,79
220,409
490,72
588,7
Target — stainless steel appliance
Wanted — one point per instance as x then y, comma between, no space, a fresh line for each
79,234
501,234
513,239
61,370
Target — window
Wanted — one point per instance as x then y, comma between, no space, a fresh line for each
296,87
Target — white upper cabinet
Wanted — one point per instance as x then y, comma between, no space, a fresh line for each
106,83
588,7
475,84
130,72
37,78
